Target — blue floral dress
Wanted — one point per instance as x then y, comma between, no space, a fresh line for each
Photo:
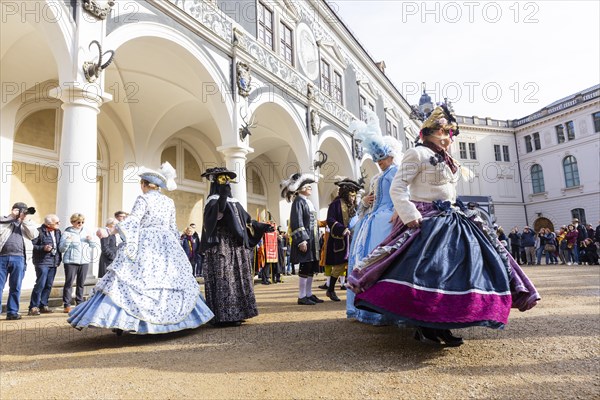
149,288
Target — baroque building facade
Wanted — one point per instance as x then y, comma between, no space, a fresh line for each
94,89
540,170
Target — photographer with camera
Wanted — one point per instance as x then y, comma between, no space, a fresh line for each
46,259
13,228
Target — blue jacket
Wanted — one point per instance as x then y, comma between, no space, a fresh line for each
76,248
528,238
42,258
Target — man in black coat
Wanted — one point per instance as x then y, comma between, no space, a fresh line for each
108,246
304,226
46,258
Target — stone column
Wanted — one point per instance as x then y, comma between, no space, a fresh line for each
76,189
235,160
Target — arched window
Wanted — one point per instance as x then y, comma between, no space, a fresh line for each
571,171
537,179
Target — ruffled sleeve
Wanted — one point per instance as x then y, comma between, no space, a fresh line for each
129,229
409,169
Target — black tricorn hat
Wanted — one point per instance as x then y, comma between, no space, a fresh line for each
349,183
211,173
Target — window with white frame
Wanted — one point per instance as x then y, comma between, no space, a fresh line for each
505,153
472,152
596,117
528,146
462,150
286,43
560,133
536,141
579,213
388,127
362,107
325,77
338,93
570,130
395,131
265,25
571,171
497,153
537,179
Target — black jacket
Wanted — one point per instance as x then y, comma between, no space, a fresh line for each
42,258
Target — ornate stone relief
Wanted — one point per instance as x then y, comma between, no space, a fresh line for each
315,122
98,8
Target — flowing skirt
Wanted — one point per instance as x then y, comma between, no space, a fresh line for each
148,289
228,281
450,273
368,233
101,312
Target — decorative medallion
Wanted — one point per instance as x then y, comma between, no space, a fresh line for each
244,79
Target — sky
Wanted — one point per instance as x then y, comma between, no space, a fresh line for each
498,59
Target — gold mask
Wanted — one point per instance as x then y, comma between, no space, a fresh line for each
223,179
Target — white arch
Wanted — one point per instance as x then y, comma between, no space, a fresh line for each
275,99
129,32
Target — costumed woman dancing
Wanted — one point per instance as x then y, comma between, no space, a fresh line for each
440,268
228,235
149,288
376,209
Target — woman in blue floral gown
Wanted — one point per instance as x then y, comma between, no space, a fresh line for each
149,288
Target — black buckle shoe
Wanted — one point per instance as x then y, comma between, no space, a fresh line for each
448,338
315,299
333,296
426,335
305,301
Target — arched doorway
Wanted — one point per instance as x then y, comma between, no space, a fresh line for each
542,223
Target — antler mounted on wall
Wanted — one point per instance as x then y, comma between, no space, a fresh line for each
322,159
92,70
245,129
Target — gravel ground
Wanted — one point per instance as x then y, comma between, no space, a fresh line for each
313,352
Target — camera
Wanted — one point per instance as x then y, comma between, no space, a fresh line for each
27,211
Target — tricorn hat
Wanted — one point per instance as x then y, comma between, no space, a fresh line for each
212,173
290,186
349,183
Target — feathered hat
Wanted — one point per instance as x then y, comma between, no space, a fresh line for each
371,140
163,178
441,117
289,187
212,173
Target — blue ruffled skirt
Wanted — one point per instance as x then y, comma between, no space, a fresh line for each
101,312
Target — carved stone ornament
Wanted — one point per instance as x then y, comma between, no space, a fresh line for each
244,79
98,8
315,122
310,91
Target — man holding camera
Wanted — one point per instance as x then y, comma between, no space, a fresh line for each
13,228
46,259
